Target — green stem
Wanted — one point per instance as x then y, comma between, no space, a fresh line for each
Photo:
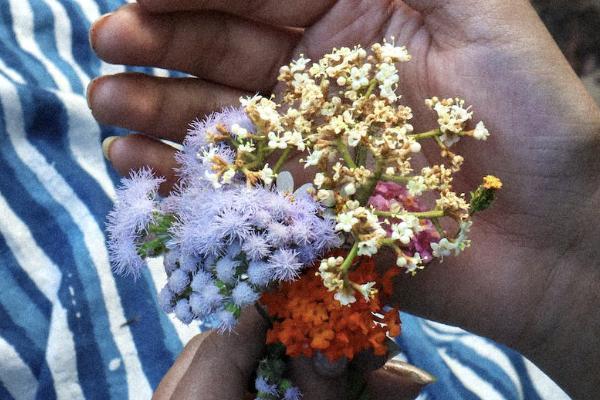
438,226
343,149
425,214
282,159
350,257
426,135
396,178
371,87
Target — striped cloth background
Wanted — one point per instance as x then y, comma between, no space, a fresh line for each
70,329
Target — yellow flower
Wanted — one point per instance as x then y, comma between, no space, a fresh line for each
491,182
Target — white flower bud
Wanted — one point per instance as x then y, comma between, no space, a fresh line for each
326,197
415,147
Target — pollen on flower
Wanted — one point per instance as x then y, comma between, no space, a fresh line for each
492,182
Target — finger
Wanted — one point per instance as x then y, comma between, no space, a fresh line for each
169,382
135,151
315,385
217,47
397,380
280,12
223,363
162,107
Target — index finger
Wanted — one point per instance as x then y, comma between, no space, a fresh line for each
277,12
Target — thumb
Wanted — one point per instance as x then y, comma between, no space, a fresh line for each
217,366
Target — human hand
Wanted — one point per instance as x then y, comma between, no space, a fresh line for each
521,282
220,366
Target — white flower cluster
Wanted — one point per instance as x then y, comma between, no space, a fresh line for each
453,117
445,247
364,226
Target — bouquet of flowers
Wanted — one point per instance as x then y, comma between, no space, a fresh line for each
236,232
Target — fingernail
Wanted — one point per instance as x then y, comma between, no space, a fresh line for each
92,32
90,91
409,371
106,143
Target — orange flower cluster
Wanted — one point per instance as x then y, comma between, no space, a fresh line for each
309,319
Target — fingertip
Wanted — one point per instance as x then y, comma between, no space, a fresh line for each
118,36
106,145
96,25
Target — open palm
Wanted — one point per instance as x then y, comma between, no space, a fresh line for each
495,54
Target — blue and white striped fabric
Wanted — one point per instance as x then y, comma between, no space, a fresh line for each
70,329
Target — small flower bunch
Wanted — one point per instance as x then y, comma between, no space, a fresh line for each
308,319
234,230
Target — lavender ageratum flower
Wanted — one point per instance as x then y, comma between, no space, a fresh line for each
325,234
227,321
188,262
195,140
234,249
212,296
261,219
226,268
278,234
284,264
200,280
166,299
206,302
171,261
259,273
301,232
198,306
262,386
256,246
178,281
292,393
243,294
222,235
133,212
183,311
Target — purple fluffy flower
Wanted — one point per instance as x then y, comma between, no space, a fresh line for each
259,273
256,246
278,234
201,305
166,299
133,212
243,294
226,268
206,302
183,311
200,280
188,263
284,265
262,386
171,261
227,321
195,141
212,296
178,281
292,393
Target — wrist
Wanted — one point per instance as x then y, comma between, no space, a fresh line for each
563,337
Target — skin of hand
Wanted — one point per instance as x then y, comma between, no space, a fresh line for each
531,279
